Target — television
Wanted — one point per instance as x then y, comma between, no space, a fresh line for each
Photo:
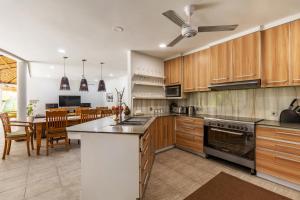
65,101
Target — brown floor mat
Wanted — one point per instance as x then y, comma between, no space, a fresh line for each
227,187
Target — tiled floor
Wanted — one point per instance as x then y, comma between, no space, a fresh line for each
175,175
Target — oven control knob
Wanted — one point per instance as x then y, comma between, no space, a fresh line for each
229,126
218,124
246,129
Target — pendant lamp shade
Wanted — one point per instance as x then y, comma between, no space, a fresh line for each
83,82
64,83
101,86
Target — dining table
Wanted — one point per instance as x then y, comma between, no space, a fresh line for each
39,125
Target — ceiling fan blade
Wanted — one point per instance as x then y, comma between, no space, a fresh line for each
172,15
175,41
217,28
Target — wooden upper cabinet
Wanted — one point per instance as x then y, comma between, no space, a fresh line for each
275,56
202,70
173,71
246,57
295,52
221,62
189,62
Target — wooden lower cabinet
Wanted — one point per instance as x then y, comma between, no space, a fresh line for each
189,133
278,153
164,135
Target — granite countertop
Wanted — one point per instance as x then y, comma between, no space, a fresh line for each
279,124
108,125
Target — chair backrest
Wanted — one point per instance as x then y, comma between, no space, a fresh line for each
88,115
57,109
106,113
79,109
101,108
56,119
5,122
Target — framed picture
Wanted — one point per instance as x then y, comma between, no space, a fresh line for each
109,97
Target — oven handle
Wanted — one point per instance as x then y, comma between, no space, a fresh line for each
230,132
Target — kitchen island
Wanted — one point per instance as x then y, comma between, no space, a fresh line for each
115,159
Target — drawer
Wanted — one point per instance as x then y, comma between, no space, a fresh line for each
144,170
189,141
280,146
190,121
280,165
279,134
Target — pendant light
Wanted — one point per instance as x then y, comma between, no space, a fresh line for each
83,82
101,86
64,83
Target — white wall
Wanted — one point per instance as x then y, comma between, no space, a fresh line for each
46,90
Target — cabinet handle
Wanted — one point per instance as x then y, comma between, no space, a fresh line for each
289,134
145,165
284,81
287,159
229,132
146,179
219,79
248,75
281,146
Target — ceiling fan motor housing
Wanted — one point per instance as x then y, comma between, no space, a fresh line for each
188,31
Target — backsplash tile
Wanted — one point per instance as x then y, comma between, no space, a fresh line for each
264,103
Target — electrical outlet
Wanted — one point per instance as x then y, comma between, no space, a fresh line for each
274,113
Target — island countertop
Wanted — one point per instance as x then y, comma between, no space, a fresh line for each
108,125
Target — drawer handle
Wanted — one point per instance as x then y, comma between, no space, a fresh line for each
146,179
249,75
218,79
281,146
287,159
289,134
145,165
145,150
283,81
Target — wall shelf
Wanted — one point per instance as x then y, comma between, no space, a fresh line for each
149,98
148,84
149,76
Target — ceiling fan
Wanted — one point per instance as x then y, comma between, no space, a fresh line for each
187,30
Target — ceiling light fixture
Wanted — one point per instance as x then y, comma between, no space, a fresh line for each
83,82
118,29
111,75
64,83
62,51
52,67
101,86
162,45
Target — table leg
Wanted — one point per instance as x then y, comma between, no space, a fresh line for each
39,130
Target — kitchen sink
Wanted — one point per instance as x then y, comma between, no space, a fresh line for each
135,121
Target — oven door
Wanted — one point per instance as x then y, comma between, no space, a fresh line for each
173,91
241,144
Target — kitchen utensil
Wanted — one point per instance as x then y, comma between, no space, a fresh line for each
191,110
290,115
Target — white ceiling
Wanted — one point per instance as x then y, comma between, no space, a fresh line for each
35,29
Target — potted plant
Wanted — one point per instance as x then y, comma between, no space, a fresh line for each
30,109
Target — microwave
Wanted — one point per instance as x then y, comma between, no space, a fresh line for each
173,91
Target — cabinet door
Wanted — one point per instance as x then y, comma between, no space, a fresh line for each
275,56
175,71
167,72
221,62
170,130
295,52
188,72
202,70
246,57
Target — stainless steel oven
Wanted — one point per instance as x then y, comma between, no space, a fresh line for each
173,91
231,140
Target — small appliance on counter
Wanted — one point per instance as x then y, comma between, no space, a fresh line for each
291,114
191,110
179,110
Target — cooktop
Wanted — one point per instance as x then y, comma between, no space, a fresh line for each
235,118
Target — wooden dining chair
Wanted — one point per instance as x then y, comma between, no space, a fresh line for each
79,109
106,113
56,123
88,115
9,135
